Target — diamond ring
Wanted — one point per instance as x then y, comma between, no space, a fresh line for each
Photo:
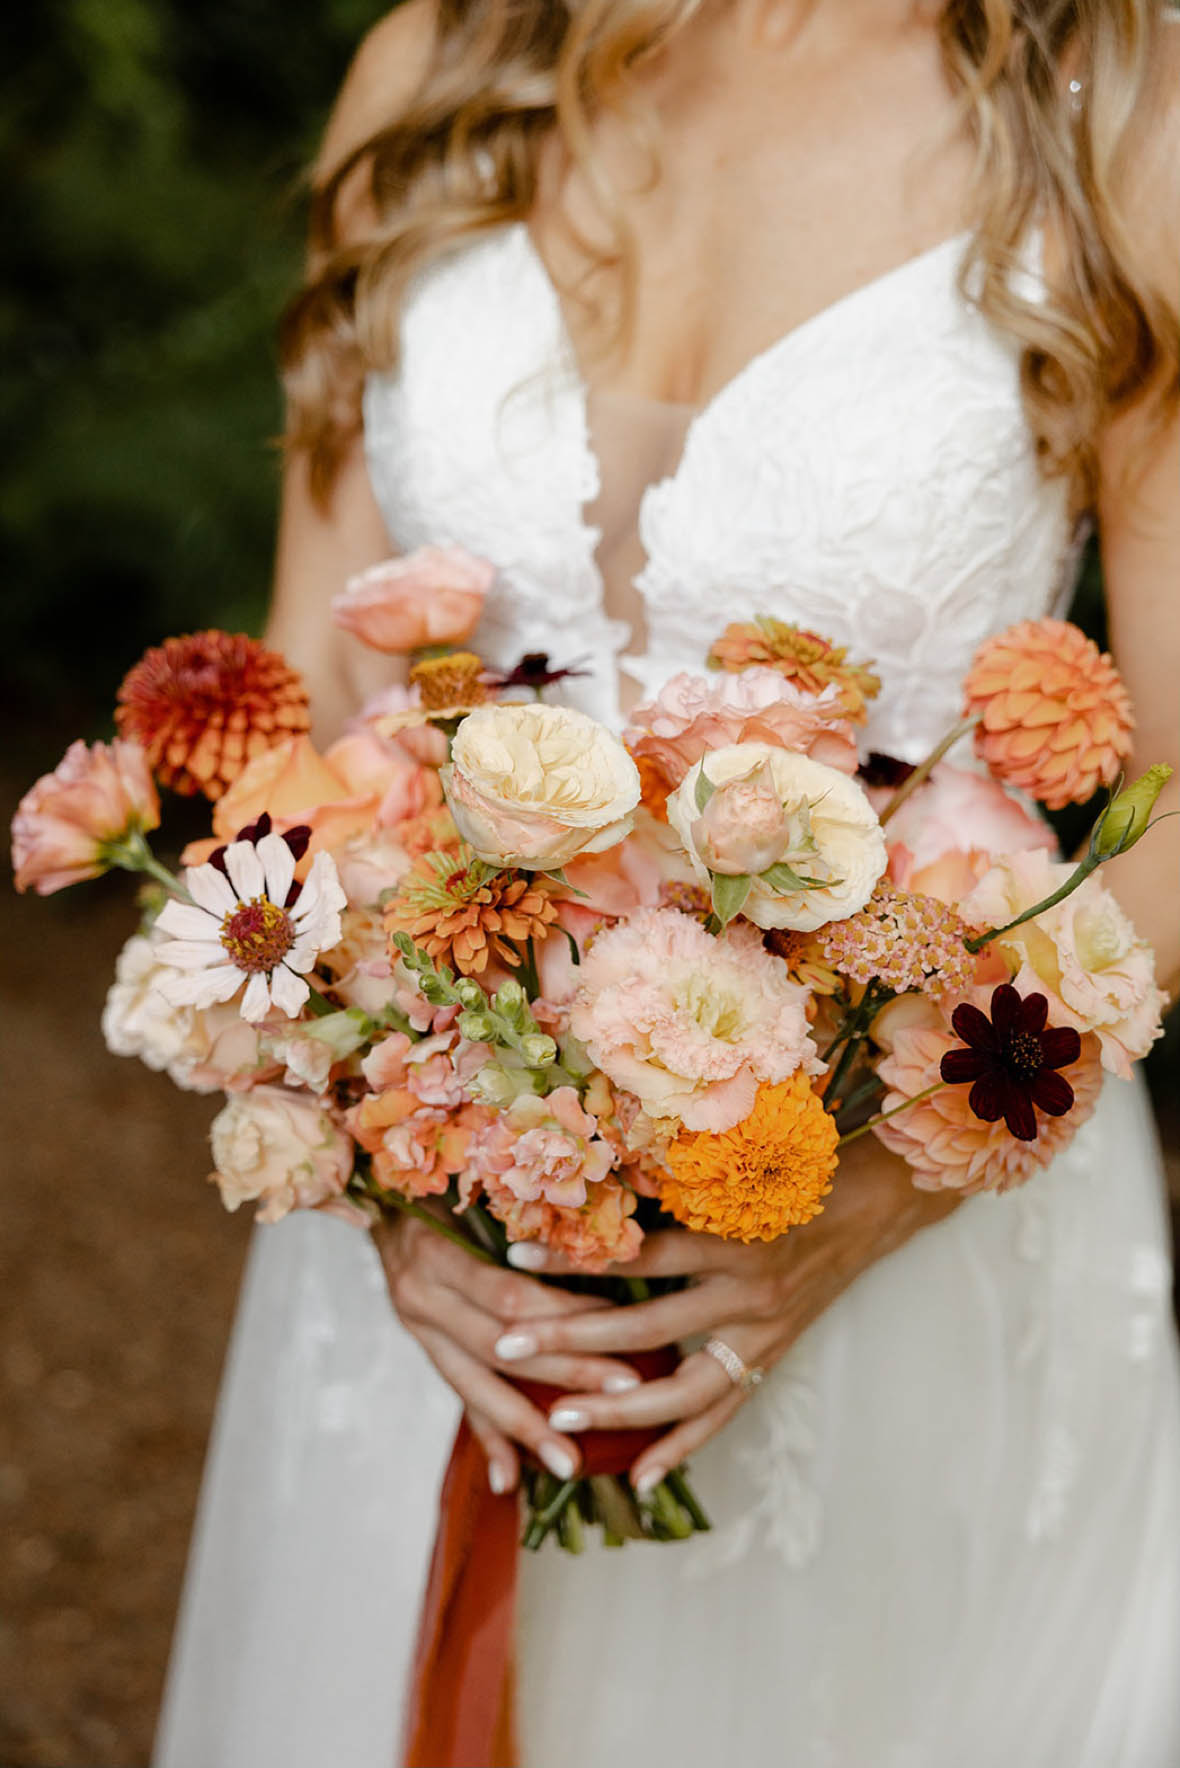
739,1372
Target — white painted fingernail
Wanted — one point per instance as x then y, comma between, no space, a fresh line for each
569,1418
647,1482
515,1346
528,1257
623,1383
560,1462
499,1478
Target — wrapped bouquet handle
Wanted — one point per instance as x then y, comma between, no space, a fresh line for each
460,1709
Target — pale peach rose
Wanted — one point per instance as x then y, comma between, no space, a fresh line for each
962,817
1084,954
533,786
359,965
280,1149
94,796
434,596
688,1024
744,828
370,863
360,782
833,834
694,714
547,1149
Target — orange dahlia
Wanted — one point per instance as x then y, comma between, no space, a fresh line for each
1054,717
813,663
462,912
767,1174
205,705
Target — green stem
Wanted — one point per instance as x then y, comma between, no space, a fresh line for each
686,1497
854,1038
1077,877
925,768
883,1116
394,1202
133,854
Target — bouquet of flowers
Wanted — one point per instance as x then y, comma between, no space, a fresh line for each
485,962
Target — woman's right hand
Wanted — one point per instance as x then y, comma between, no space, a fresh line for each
471,1319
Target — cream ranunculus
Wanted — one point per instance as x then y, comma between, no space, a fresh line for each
534,785
830,832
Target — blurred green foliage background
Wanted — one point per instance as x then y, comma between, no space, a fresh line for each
150,161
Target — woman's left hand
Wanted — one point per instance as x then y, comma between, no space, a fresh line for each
757,1299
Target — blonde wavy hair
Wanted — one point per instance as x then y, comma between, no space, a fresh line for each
462,158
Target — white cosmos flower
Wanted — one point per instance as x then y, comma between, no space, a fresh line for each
238,930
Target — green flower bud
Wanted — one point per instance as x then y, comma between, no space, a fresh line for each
538,1050
477,1028
1128,816
471,995
512,1003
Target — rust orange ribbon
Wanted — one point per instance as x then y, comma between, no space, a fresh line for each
460,1708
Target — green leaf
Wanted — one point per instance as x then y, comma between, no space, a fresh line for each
729,895
704,789
783,878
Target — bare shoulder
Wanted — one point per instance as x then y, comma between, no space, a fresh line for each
386,72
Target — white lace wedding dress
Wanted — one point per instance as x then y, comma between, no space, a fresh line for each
948,1528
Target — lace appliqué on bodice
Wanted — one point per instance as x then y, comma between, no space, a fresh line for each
870,475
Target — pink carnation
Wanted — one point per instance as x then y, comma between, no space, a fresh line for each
695,714
1083,955
542,1149
944,1143
689,1024
94,796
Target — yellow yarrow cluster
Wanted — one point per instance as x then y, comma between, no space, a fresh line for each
766,1175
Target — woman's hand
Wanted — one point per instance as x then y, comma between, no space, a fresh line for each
758,1299
466,1315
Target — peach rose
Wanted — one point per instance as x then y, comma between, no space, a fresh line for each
361,781
430,597
280,1149
1084,954
95,796
533,786
833,834
744,826
695,714
942,838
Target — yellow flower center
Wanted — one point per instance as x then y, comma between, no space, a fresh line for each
257,935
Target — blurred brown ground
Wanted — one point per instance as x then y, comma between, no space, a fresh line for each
118,1272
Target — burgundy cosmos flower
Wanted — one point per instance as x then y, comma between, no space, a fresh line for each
1011,1060
534,671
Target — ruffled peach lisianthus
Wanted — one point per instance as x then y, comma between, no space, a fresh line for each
1084,954
766,1174
1054,717
689,1024
694,714
94,798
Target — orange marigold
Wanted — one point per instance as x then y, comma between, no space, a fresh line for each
765,1175
205,705
463,913
1054,717
812,662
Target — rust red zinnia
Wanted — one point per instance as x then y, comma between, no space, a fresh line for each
205,705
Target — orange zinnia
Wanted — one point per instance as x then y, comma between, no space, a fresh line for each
1054,717
765,1175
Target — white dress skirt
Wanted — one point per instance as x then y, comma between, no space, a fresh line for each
948,1526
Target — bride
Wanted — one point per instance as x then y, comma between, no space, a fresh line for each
857,312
